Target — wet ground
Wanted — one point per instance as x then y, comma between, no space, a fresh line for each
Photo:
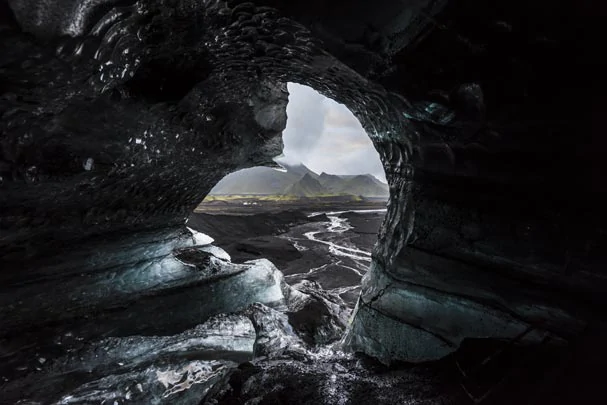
331,247
196,324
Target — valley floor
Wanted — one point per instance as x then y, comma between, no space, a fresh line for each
330,245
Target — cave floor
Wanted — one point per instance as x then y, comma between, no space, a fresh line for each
148,333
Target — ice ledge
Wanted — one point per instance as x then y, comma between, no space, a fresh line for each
395,320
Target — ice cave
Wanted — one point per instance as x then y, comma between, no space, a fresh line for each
486,282
316,214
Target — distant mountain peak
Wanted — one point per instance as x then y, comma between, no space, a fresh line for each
298,180
297,167
307,186
328,175
308,176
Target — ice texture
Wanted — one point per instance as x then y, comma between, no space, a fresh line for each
319,317
496,215
184,367
200,239
145,369
275,336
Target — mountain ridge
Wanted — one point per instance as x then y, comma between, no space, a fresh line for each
299,181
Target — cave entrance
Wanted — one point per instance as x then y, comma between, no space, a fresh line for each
317,214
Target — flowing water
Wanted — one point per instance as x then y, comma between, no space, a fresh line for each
335,253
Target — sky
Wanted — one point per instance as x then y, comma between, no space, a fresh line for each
326,137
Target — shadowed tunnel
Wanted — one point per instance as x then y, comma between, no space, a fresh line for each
118,117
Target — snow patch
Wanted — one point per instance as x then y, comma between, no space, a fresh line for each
200,238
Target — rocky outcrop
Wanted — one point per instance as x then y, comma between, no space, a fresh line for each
318,317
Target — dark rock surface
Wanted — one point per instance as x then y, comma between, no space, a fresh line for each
118,117
231,228
335,379
233,233
320,318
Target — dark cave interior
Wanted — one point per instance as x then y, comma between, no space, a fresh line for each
118,117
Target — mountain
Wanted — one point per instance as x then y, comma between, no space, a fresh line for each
256,180
299,169
364,185
361,184
297,180
331,182
261,180
307,186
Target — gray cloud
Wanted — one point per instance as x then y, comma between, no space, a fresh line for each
326,137
305,121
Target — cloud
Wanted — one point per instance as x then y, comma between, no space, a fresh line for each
305,123
337,115
326,136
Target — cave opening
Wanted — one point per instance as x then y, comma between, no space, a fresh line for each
316,211
119,117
